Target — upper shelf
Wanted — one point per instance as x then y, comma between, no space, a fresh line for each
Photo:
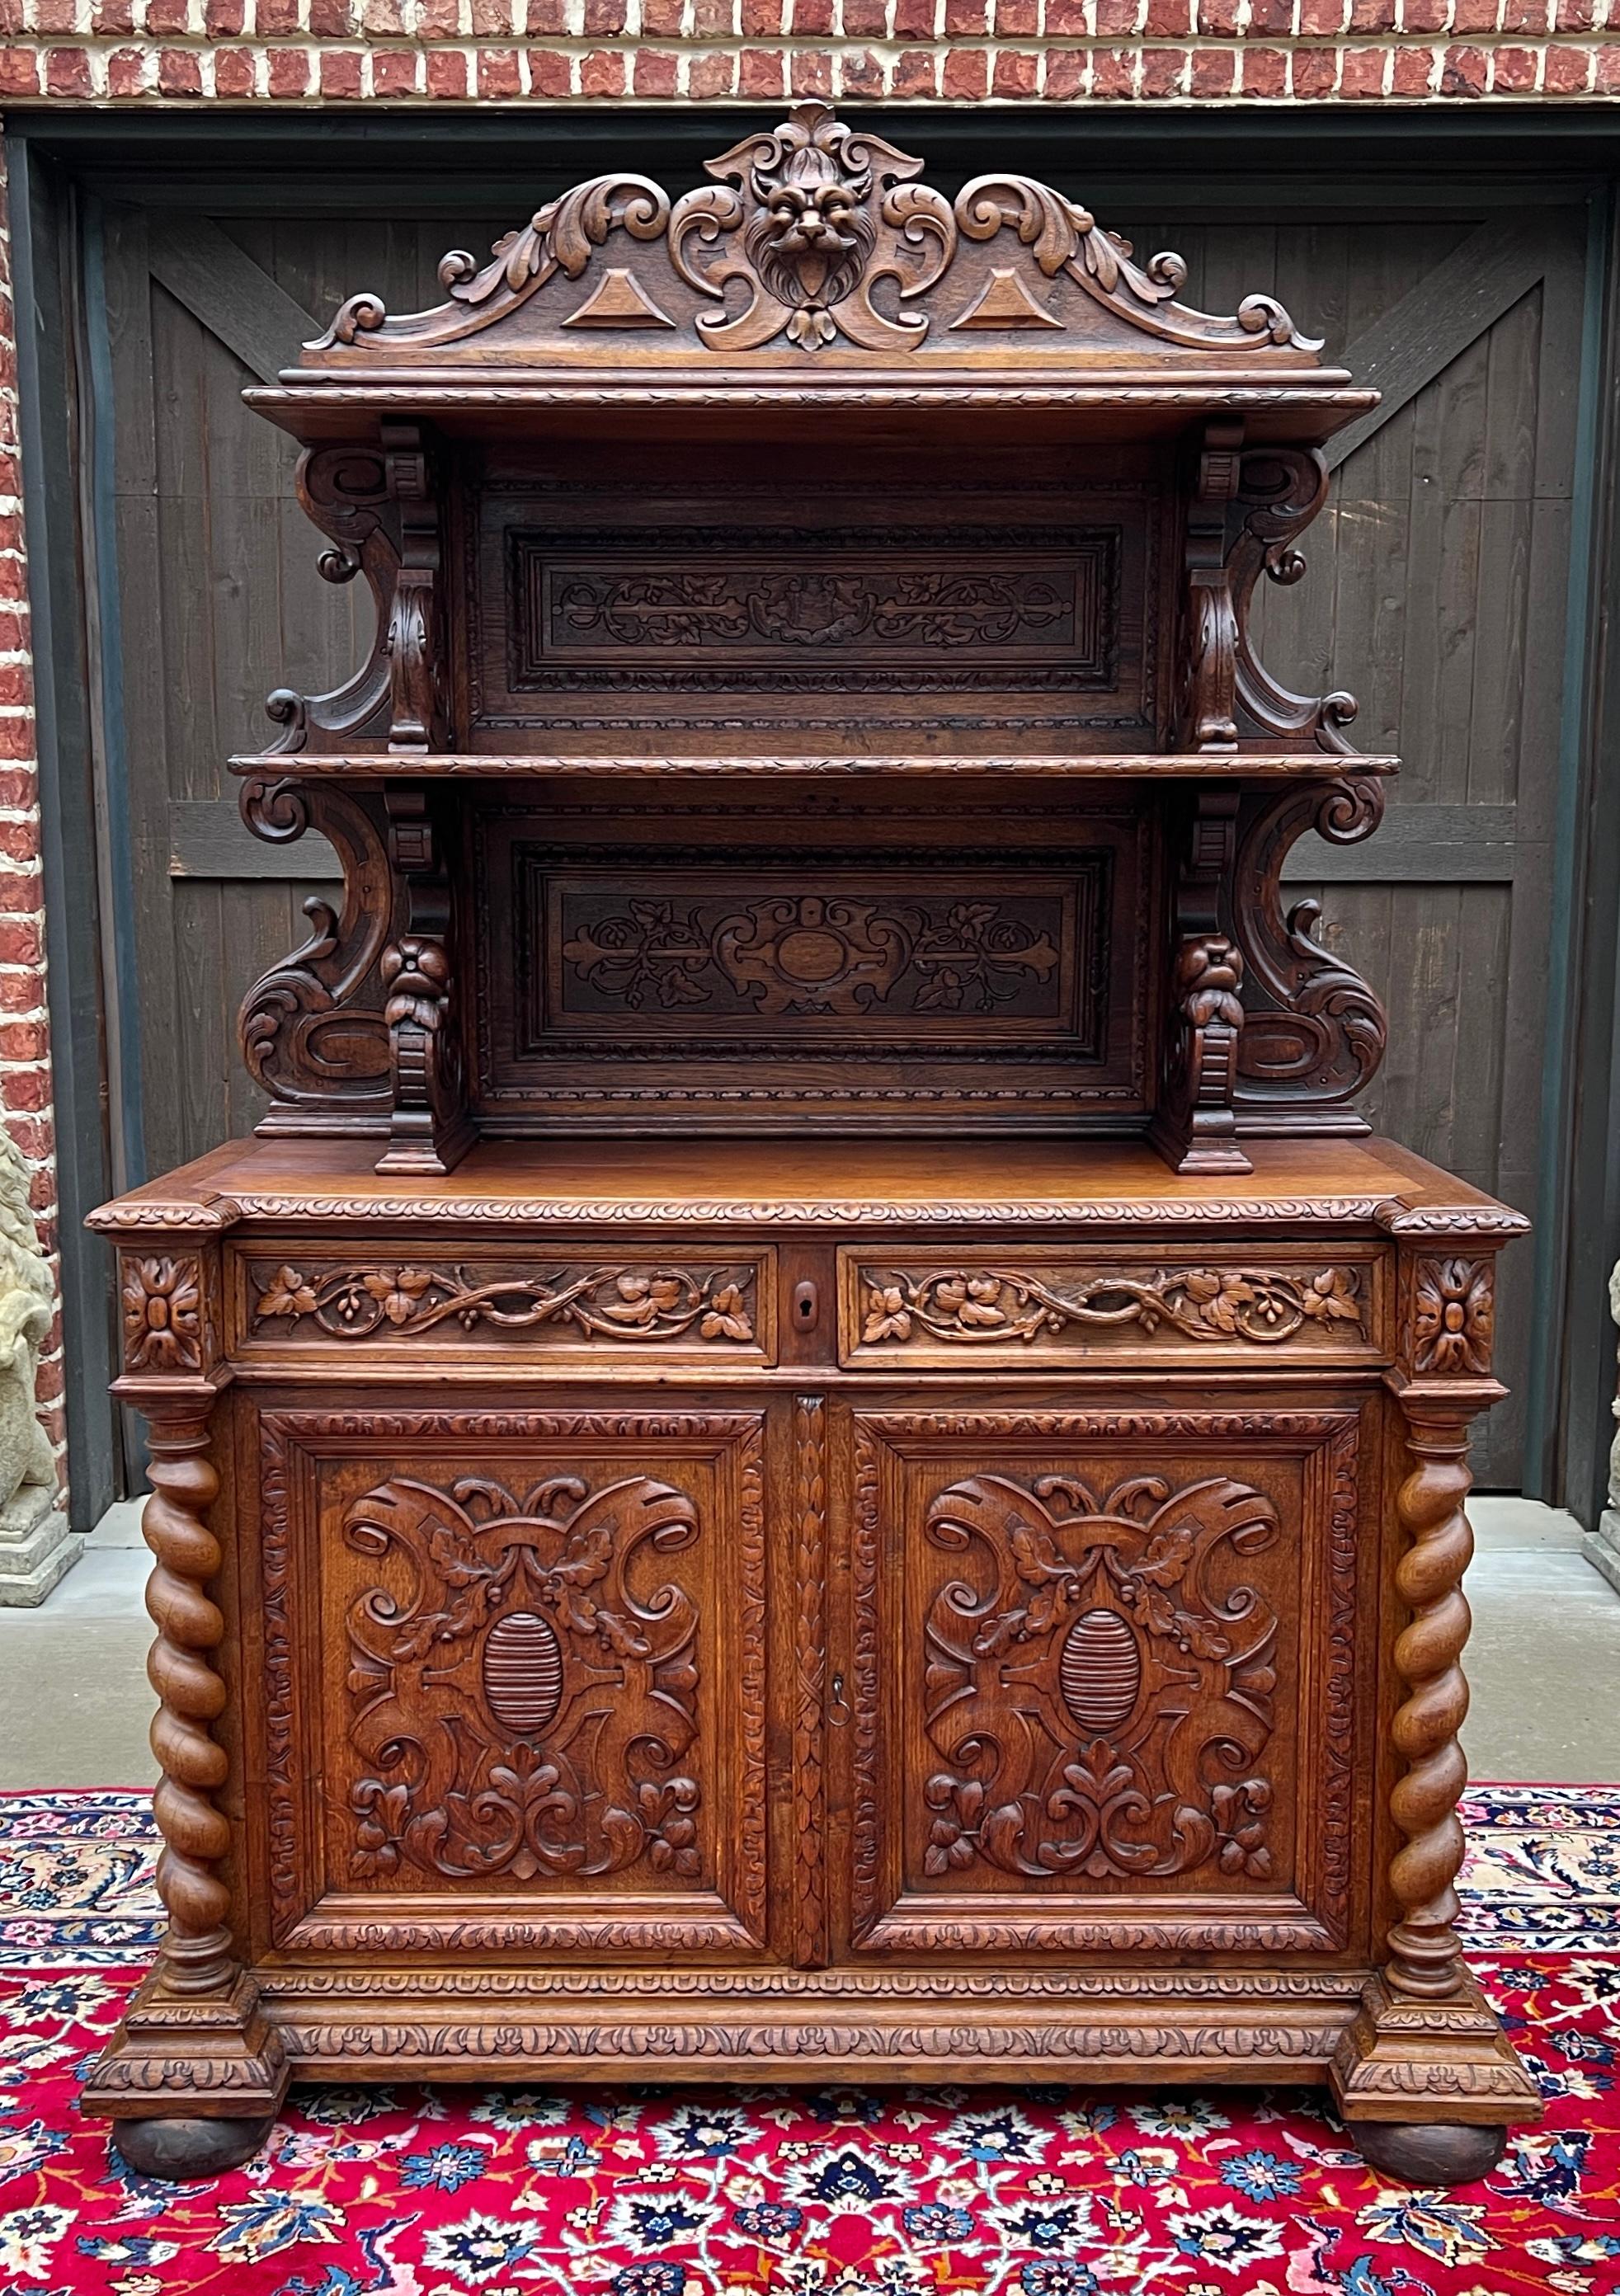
1177,765
813,267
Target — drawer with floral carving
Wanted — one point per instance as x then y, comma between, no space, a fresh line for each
1025,1308
586,1307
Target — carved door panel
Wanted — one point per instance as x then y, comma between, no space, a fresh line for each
515,1679
1102,1674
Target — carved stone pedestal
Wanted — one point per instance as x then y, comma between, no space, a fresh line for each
37,1548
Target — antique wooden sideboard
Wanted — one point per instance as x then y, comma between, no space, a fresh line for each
813,1442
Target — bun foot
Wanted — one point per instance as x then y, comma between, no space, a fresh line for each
180,2152
1427,2152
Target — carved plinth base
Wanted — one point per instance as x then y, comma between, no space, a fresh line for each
1188,1149
37,1548
1446,2062
802,2025
1601,1547
179,2060
426,1154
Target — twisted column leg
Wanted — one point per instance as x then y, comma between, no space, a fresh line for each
192,2077
1424,1958
196,1954
1424,2076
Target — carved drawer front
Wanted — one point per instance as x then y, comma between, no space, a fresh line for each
913,1310
1103,1680
591,1309
515,1679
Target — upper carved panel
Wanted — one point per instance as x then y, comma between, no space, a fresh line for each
813,243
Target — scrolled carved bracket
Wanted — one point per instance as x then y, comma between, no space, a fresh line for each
378,503
1212,638
311,1029
1278,491
1314,1032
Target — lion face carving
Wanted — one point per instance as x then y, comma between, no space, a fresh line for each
812,233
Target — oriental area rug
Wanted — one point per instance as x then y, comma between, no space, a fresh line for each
791,2192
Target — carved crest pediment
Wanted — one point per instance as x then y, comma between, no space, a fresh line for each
813,242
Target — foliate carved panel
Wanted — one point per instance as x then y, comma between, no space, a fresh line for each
1104,1672
701,605
1035,1308
561,1749
597,1308
995,954
540,1687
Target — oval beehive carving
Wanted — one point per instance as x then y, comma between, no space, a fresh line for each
1100,1671
523,1668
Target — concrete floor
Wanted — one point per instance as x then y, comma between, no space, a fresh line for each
1544,1661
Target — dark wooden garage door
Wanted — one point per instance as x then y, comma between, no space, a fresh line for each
1438,599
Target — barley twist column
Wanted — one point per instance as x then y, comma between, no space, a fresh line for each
196,1954
1424,1958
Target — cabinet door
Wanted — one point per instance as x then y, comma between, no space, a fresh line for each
515,1679
1103,1671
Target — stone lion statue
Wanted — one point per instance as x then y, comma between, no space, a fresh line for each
26,1298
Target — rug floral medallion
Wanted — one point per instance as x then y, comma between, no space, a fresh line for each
788,2192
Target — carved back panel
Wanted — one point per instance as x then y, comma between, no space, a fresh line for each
882,601
843,960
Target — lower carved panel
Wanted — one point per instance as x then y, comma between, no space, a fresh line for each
538,1711
1104,1674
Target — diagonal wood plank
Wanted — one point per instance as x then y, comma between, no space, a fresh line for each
235,297
1449,307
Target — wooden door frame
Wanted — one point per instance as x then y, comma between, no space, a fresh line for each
246,164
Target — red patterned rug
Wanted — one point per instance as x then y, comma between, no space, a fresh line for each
1041,2192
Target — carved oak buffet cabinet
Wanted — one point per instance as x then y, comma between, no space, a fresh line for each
811,1442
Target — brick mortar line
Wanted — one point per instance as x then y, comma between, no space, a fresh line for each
790,43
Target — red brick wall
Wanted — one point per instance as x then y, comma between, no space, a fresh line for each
25,1048
158,52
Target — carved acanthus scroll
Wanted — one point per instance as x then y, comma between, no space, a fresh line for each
810,235
1213,635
